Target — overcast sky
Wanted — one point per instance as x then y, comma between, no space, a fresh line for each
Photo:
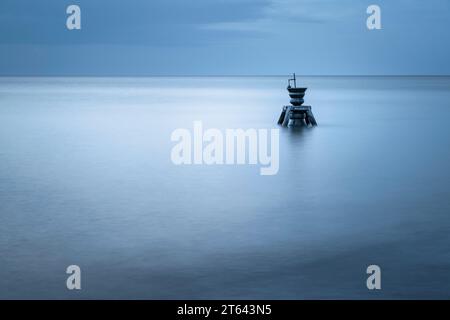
219,37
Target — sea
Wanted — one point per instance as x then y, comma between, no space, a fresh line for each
87,179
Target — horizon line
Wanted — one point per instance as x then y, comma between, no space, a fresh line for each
223,76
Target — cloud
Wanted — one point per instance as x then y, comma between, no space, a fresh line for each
281,13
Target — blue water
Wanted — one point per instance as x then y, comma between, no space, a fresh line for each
86,179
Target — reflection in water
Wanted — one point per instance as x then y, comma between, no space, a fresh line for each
86,179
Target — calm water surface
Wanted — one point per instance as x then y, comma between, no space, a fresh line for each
86,178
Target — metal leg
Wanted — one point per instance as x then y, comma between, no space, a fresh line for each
311,118
307,122
287,116
283,114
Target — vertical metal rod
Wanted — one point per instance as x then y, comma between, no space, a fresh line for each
295,82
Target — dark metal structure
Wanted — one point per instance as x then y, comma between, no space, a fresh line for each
296,114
